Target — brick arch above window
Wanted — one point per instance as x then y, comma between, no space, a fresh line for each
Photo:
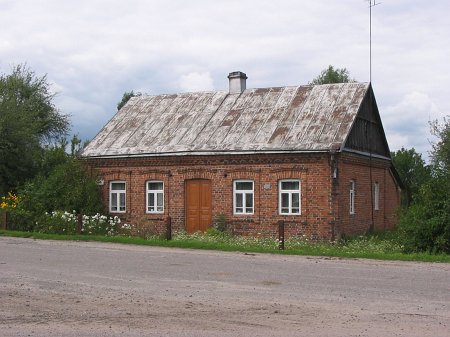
243,174
290,174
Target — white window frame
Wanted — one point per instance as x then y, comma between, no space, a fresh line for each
244,194
290,193
352,191
155,197
376,196
117,195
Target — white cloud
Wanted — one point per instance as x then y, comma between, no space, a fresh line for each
407,122
196,82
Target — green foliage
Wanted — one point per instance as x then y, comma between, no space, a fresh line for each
126,97
332,75
425,226
62,184
413,172
220,223
441,150
28,119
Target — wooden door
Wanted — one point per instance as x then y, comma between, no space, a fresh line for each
198,205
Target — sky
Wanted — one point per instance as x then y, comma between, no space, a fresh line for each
92,51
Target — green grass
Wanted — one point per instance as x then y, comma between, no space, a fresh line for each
382,246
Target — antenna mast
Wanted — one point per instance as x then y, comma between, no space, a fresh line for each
372,3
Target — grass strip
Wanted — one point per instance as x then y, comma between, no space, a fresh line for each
362,248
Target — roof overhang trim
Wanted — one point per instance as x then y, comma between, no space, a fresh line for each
367,154
202,153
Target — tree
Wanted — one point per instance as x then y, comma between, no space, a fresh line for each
413,172
126,97
332,75
425,225
28,121
441,150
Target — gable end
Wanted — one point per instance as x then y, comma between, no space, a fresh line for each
367,134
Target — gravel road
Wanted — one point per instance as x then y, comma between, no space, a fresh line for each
55,288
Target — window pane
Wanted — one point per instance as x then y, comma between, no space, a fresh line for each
295,200
122,201
155,186
289,185
113,202
249,200
160,199
244,185
284,200
118,186
151,202
239,200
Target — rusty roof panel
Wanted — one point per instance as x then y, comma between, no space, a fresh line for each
297,118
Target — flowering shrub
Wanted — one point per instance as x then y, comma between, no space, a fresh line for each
62,222
57,222
9,201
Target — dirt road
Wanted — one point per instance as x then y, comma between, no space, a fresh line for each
51,288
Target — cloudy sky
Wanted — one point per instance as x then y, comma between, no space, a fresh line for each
94,50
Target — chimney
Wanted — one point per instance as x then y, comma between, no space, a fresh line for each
237,82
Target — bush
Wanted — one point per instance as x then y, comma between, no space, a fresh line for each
66,187
58,222
425,226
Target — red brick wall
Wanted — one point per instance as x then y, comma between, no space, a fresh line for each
319,207
365,172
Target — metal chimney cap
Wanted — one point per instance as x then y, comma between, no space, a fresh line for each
237,74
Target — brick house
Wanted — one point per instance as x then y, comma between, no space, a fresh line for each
315,156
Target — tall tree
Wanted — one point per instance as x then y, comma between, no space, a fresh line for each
426,223
412,170
28,121
332,75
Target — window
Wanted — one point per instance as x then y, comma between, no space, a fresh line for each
376,196
243,197
289,196
155,197
352,197
117,196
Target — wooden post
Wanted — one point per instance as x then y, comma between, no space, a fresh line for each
281,235
79,223
169,228
4,220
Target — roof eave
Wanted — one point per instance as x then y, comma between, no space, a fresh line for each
202,153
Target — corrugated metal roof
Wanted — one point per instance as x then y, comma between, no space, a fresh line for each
297,118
